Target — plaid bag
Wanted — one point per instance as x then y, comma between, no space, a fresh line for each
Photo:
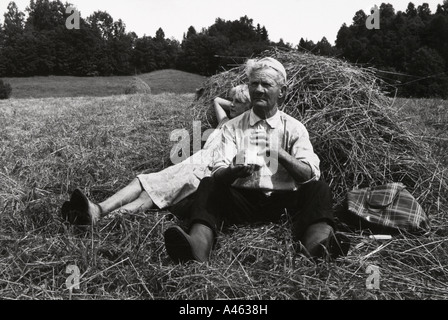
390,206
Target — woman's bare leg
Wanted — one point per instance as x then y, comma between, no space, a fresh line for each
131,198
142,203
127,195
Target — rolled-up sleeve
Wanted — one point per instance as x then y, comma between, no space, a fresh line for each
302,150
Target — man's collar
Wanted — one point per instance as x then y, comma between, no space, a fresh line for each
273,121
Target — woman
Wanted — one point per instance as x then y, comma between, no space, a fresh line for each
165,188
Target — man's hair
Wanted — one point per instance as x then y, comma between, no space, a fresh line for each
240,93
267,63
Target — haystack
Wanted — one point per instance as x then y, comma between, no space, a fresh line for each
137,85
352,124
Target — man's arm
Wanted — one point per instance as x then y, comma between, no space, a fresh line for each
299,170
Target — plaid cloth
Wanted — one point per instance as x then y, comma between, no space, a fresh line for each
389,205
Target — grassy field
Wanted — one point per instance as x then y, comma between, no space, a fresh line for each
52,144
159,81
428,120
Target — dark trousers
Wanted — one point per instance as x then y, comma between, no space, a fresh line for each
219,206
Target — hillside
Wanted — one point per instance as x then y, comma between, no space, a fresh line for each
174,81
66,86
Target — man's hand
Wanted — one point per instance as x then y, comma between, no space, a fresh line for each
239,168
242,166
243,171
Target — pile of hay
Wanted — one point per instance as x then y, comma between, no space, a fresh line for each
352,126
137,85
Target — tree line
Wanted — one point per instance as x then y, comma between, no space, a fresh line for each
41,44
410,50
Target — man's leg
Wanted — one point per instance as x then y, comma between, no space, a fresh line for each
313,221
215,206
219,206
312,217
314,205
196,244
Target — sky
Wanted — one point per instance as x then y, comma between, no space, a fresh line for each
289,20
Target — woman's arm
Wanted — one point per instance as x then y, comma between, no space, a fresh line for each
221,106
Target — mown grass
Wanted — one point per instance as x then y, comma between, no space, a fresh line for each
51,146
174,81
428,120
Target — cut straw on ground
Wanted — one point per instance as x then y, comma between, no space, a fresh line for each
49,147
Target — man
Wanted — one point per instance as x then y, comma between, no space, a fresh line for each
267,165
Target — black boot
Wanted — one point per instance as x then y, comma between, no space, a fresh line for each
320,241
183,247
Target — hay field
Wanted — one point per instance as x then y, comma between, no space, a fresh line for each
174,81
49,146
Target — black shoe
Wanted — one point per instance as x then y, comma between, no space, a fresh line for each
75,211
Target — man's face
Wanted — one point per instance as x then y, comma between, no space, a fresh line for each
264,91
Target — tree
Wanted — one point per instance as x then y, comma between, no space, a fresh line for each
160,35
143,59
281,44
359,20
200,54
191,32
14,22
343,37
387,11
411,11
222,45
164,51
2,37
121,46
306,45
436,32
157,53
423,11
264,34
428,66
113,45
324,48
102,23
12,53
445,6
45,15
414,43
